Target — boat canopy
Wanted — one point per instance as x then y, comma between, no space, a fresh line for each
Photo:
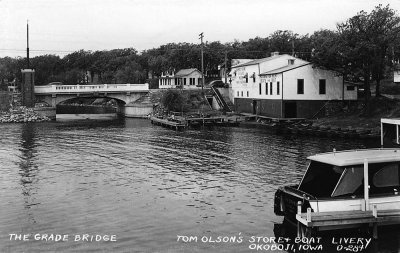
357,157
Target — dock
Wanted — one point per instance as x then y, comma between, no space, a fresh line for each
250,116
310,222
174,124
180,122
215,121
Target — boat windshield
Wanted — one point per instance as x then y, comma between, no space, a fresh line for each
350,182
321,179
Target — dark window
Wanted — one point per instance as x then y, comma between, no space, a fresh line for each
322,86
277,88
254,77
238,94
350,87
247,78
387,176
242,93
270,88
259,87
247,93
320,179
266,88
300,86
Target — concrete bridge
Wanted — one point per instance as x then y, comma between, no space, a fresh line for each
125,94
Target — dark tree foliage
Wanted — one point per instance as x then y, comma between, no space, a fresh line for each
173,100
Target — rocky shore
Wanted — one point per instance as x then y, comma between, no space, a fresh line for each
21,114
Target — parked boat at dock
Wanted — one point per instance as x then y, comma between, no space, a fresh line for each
345,181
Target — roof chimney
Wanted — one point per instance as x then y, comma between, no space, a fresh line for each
274,53
290,61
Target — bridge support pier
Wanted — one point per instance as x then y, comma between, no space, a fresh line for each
53,100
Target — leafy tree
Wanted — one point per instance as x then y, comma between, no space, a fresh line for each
173,100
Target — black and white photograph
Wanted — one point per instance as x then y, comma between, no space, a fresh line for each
177,126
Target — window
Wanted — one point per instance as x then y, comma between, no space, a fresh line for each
266,88
184,81
277,88
259,88
238,94
300,86
247,93
320,179
254,77
270,88
242,93
322,86
350,181
350,87
387,176
247,77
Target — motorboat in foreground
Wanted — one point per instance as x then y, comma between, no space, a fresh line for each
348,180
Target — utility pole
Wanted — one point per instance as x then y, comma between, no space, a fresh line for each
202,63
226,61
27,44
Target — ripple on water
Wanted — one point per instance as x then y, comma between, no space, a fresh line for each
145,184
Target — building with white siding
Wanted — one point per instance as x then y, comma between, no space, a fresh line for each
184,78
282,86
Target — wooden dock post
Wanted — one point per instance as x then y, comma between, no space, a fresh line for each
366,186
298,222
375,224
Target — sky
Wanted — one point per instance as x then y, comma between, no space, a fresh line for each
63,26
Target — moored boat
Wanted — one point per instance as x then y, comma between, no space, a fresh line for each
350,180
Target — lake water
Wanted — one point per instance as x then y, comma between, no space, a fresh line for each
145,186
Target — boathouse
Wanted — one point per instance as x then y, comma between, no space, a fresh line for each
184,78
283,86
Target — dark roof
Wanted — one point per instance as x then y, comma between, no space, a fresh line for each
284,69
185,72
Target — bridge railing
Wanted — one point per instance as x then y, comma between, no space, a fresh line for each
91,88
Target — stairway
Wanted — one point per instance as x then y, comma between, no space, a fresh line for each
222,101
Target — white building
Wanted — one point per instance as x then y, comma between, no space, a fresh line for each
283,86
184,78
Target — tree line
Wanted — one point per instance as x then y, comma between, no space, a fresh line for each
364,48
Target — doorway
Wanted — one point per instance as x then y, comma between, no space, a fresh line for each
255,107
290,110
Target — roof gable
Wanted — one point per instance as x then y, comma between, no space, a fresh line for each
285,68
257,61
186,72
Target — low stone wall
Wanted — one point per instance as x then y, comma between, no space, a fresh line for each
138,110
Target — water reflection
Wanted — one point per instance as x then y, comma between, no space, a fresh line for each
28,170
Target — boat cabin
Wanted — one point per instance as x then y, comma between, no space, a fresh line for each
345,181
341,174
